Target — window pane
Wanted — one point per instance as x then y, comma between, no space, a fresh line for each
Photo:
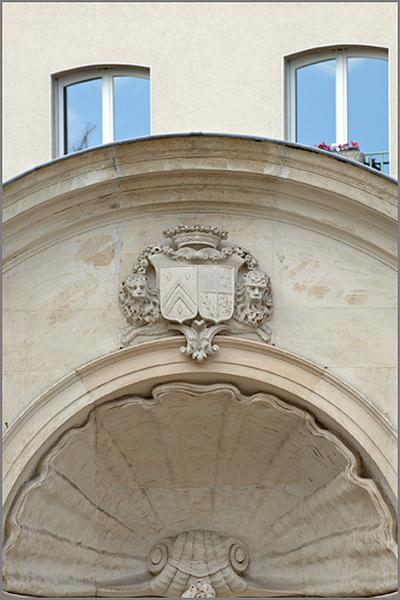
368,104
83,121
316,103
131,107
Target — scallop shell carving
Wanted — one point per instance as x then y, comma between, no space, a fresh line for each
199,483
198,555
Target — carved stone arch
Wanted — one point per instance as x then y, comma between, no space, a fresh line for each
253,366
266,413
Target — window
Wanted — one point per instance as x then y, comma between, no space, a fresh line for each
340,96
98,106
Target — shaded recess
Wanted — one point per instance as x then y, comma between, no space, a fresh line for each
135,502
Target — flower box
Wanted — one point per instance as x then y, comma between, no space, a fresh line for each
352,153
351,150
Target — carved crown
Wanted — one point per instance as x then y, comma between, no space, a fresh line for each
256,277
196,235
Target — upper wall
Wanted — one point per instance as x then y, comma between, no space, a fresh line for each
215,67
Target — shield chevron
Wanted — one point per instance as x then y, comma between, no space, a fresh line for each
207,290
178,293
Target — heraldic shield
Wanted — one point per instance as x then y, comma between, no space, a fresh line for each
203,287
207,290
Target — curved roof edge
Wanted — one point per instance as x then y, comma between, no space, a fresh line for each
253,138
286,181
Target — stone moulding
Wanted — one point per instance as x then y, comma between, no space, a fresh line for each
298,186
343,515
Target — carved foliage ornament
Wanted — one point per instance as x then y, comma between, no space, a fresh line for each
200,589
198,285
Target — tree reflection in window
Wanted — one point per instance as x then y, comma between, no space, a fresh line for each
83,115
102,105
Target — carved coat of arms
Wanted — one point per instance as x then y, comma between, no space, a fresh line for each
199,285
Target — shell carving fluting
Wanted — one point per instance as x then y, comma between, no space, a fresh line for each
199,285
199,489
198,562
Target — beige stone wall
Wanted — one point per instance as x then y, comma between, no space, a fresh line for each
323,230
334,305
215,67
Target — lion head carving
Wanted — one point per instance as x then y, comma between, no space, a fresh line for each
253,298
139,302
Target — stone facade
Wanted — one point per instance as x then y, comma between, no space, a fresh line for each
127,464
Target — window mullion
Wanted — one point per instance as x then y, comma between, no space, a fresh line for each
341,99
107,109
62,110
291,87
111,105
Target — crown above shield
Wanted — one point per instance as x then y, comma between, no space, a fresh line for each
196,235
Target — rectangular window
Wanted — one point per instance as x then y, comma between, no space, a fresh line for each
338,99
100,106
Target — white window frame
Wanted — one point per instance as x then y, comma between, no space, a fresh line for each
106,74
340,55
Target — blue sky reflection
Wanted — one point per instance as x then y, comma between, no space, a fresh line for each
316,103
131,107
83,115
368,103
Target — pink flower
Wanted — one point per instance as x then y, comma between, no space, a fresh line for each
338,147
323,146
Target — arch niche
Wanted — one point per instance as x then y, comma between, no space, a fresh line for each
255,473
